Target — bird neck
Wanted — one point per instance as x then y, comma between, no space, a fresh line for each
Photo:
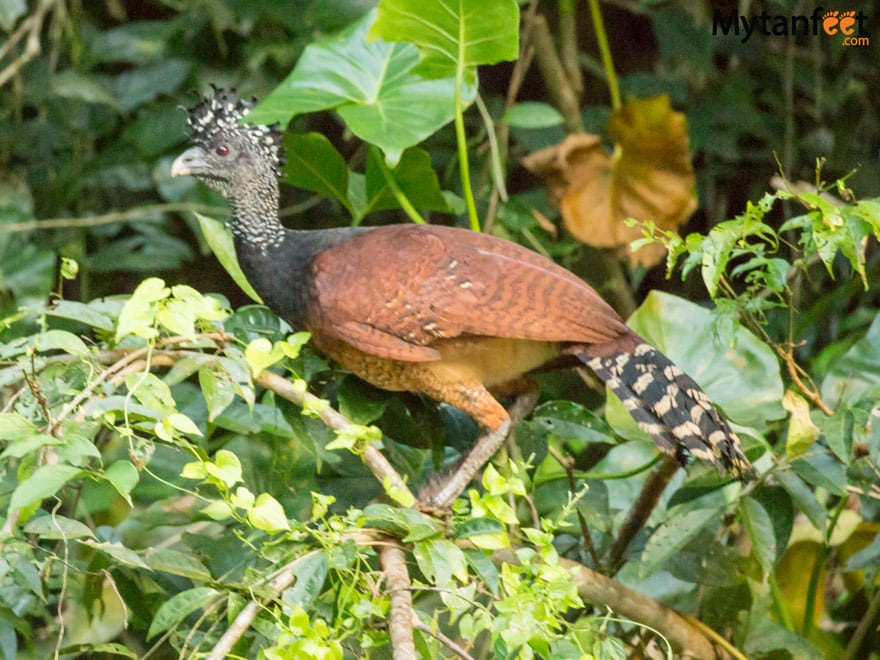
255,214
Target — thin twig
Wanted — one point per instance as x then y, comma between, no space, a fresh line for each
568,465
443,639
553,73
401,617
568,44
865,626
110,218
31,28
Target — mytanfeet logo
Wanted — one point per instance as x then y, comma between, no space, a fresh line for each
850,24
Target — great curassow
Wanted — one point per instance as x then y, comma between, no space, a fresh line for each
447,312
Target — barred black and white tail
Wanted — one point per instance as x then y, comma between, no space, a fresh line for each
669,406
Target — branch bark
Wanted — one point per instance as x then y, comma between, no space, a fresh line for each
553,72
641,510
400,620
376,462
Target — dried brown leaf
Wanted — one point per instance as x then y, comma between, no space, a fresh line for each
649,177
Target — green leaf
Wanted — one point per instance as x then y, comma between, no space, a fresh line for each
218,391
184,424
414,176
803,497
673,535
451,33
531,114
572,422
822,470
20,448
850,377
15,427
60,340
123,476
440,560
837,430
90,314
766,636
744,380
139,313
219,239
484,533
44,482
90,650
483,568
151,391
119,552
262,354
268,515
57,528
360,402
371,86
314,164
707,563
242,498
225,468
311,573
802,432
69,84
478,527
403,523
180,606
137,86
760,529
867,557
177,563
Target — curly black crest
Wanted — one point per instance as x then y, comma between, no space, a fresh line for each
215,117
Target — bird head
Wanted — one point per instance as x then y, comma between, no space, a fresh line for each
228,153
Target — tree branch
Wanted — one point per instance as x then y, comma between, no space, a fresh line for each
376,462
283,579
109,218
443,639
400,620
687,639
558,86
641,510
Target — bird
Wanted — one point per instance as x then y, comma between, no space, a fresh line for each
458,315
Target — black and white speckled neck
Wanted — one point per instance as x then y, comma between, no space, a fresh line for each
255,212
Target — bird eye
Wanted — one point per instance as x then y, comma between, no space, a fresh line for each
222,150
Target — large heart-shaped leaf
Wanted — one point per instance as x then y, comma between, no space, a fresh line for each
314,164
452,33
743,380
371,85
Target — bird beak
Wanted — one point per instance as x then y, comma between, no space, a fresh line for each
191,161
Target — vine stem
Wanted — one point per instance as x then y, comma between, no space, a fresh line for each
108,218
395,188
461,140
821,556
605,53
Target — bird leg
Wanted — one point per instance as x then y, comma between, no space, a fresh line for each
442,495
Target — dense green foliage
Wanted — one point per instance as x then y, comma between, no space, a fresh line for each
165,492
